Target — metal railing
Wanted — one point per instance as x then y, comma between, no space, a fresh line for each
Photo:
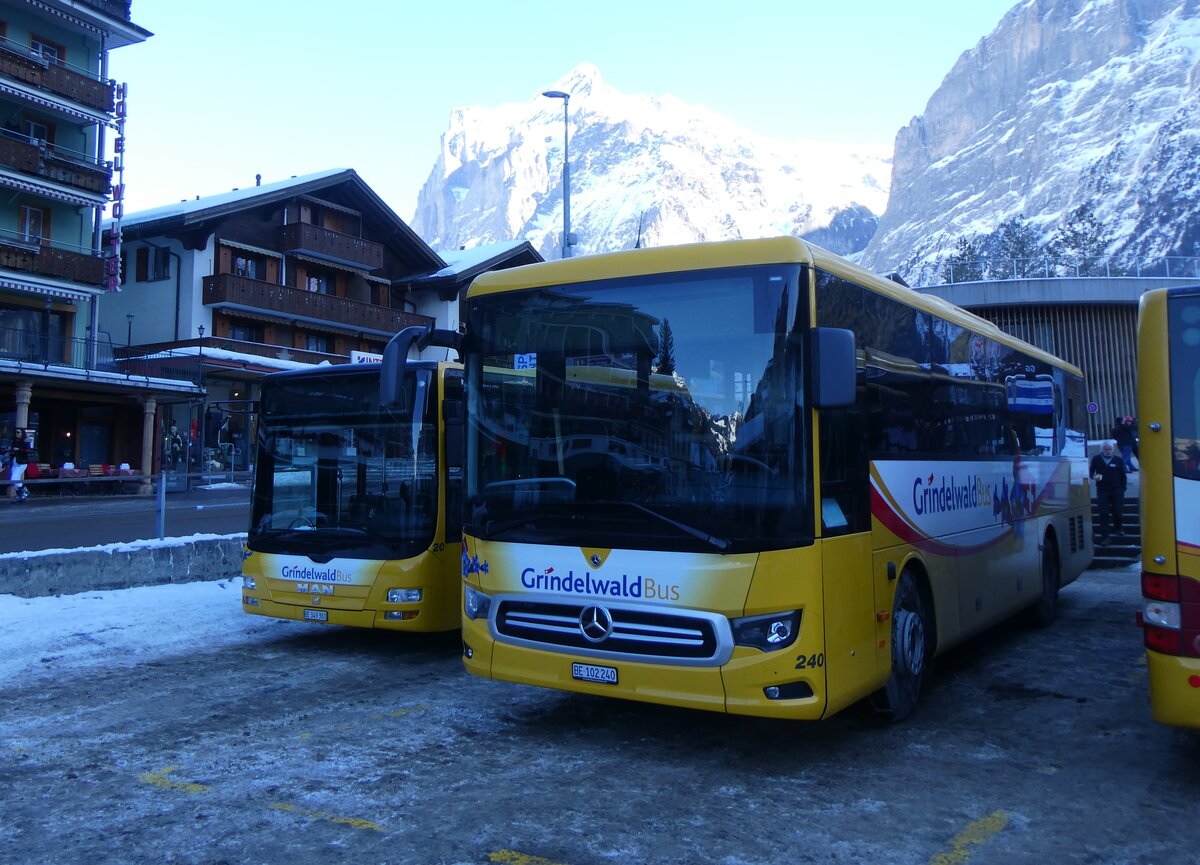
44,349
946,273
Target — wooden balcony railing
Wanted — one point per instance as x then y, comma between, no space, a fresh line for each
17,61
306,239
285,301
44,160
46,260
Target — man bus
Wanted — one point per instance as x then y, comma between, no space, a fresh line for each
1169,461
837,478
356,512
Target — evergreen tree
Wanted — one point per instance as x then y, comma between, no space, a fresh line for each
1080,242
1013,251
965,264
666,349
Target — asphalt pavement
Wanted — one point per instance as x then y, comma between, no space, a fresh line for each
47,520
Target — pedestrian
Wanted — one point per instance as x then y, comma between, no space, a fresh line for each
172,448
1122,434
18,456
1108,472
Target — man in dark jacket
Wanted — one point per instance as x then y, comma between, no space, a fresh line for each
19,454
1107,470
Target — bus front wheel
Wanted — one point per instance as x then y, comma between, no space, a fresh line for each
910,651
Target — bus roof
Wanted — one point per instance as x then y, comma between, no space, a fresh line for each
739,253
347,369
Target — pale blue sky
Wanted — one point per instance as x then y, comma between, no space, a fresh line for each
226,89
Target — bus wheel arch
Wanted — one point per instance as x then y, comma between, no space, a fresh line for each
1042,613
913,641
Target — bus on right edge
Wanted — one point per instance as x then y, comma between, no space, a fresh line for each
1169,458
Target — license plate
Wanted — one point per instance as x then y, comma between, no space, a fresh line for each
316,615
593,673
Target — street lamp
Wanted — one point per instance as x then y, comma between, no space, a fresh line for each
566,243
129,330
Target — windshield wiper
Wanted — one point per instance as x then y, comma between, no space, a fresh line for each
720,543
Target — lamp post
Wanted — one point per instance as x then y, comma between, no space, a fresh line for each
203,401
129,330
566,242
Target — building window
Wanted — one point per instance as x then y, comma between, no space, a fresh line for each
245,331
52,52
152,264
318,283
160,264
244,265
35,130
317,343
34,223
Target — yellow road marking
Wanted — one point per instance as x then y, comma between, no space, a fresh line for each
512,857
159,779
976,833
353,822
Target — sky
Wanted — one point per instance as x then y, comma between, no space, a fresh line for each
227,90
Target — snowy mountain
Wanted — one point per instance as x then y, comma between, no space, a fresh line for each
1066,104
645,168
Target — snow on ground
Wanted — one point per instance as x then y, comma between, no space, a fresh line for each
47,636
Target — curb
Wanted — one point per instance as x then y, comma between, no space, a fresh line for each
121,566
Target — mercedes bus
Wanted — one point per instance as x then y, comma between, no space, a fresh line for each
752,477
1169,464
356,508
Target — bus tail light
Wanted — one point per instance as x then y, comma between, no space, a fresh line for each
1159,587
768,633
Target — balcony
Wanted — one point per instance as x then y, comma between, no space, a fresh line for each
228,290
305,239
35,349
70,82
58,164
45,258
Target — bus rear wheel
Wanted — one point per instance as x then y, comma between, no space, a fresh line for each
1042,613
910,651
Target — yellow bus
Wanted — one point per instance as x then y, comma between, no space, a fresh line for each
356,510
1169,462
752,477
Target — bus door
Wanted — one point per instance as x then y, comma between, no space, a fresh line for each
844,523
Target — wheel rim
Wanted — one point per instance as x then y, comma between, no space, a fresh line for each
910,642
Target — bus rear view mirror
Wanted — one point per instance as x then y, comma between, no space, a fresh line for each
834,367
395,358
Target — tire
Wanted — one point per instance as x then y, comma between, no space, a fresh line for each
1042,613
912,649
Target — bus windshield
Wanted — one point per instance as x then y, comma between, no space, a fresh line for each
338,476
661,412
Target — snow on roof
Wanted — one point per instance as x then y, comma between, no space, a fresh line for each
206,202
237,356
462,260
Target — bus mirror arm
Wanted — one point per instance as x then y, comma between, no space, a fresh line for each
395,357
834,367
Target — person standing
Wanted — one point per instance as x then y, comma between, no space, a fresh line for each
1123,435
19,455
1108,472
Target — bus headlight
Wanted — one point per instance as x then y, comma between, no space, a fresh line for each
476,604
768,633
1162,614
249,583
403,596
